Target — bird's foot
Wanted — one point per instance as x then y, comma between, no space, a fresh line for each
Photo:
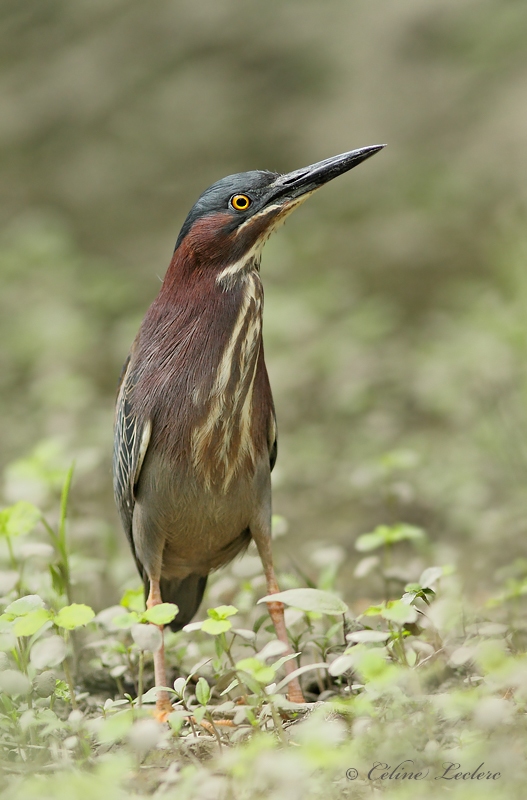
295,695
211,726
163,709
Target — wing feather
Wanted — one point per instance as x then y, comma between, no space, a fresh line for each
273,441
131,441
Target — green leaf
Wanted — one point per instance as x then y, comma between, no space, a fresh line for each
372,665
176,720
51,720
309,600
62,691
202,692
222,612
30,623
7,642
256,670
19,519
216,626
432,574
373,611
398,612
161,614
74,616
370,541
342,664
115,727
492,656
180,684
300,671
415,592
13,683
151,695
24,605
6,623
198,714
43,468
50,651
134,600
147,636
368,636
126,620
370,662
385,535
403,532
232,685
281,661
399,459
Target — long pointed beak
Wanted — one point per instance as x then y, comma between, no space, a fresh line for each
292,186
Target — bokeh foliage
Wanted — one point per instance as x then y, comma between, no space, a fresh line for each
395,299
394,309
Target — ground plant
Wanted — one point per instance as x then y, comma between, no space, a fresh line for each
421,685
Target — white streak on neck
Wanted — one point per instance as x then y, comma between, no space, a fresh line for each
252,257
224,413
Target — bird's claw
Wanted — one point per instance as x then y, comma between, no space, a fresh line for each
162,710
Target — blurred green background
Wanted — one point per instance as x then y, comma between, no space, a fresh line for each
395,321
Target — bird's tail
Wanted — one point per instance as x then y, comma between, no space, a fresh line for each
186,593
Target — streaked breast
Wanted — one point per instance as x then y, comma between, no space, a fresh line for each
221,442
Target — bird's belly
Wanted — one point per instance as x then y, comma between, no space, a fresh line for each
184,523
206,537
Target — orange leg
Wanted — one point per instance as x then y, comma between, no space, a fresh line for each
276,612
163,704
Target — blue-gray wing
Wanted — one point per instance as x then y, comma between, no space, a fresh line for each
131,440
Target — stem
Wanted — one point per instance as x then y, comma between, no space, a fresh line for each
64,507
20,653
12,558
208,715
51,532
278,724
59,541
319,681
61,538
296,647
131,667
398,646
385,567
227,650
20,582
75,645
194,731
69,681
140,679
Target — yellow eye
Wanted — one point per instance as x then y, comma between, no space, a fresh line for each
240,202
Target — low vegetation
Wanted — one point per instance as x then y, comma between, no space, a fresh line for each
418,686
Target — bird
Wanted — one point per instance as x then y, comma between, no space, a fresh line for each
195,435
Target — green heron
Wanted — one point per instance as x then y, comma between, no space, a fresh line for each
195,430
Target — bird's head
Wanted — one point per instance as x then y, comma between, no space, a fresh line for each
226,228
